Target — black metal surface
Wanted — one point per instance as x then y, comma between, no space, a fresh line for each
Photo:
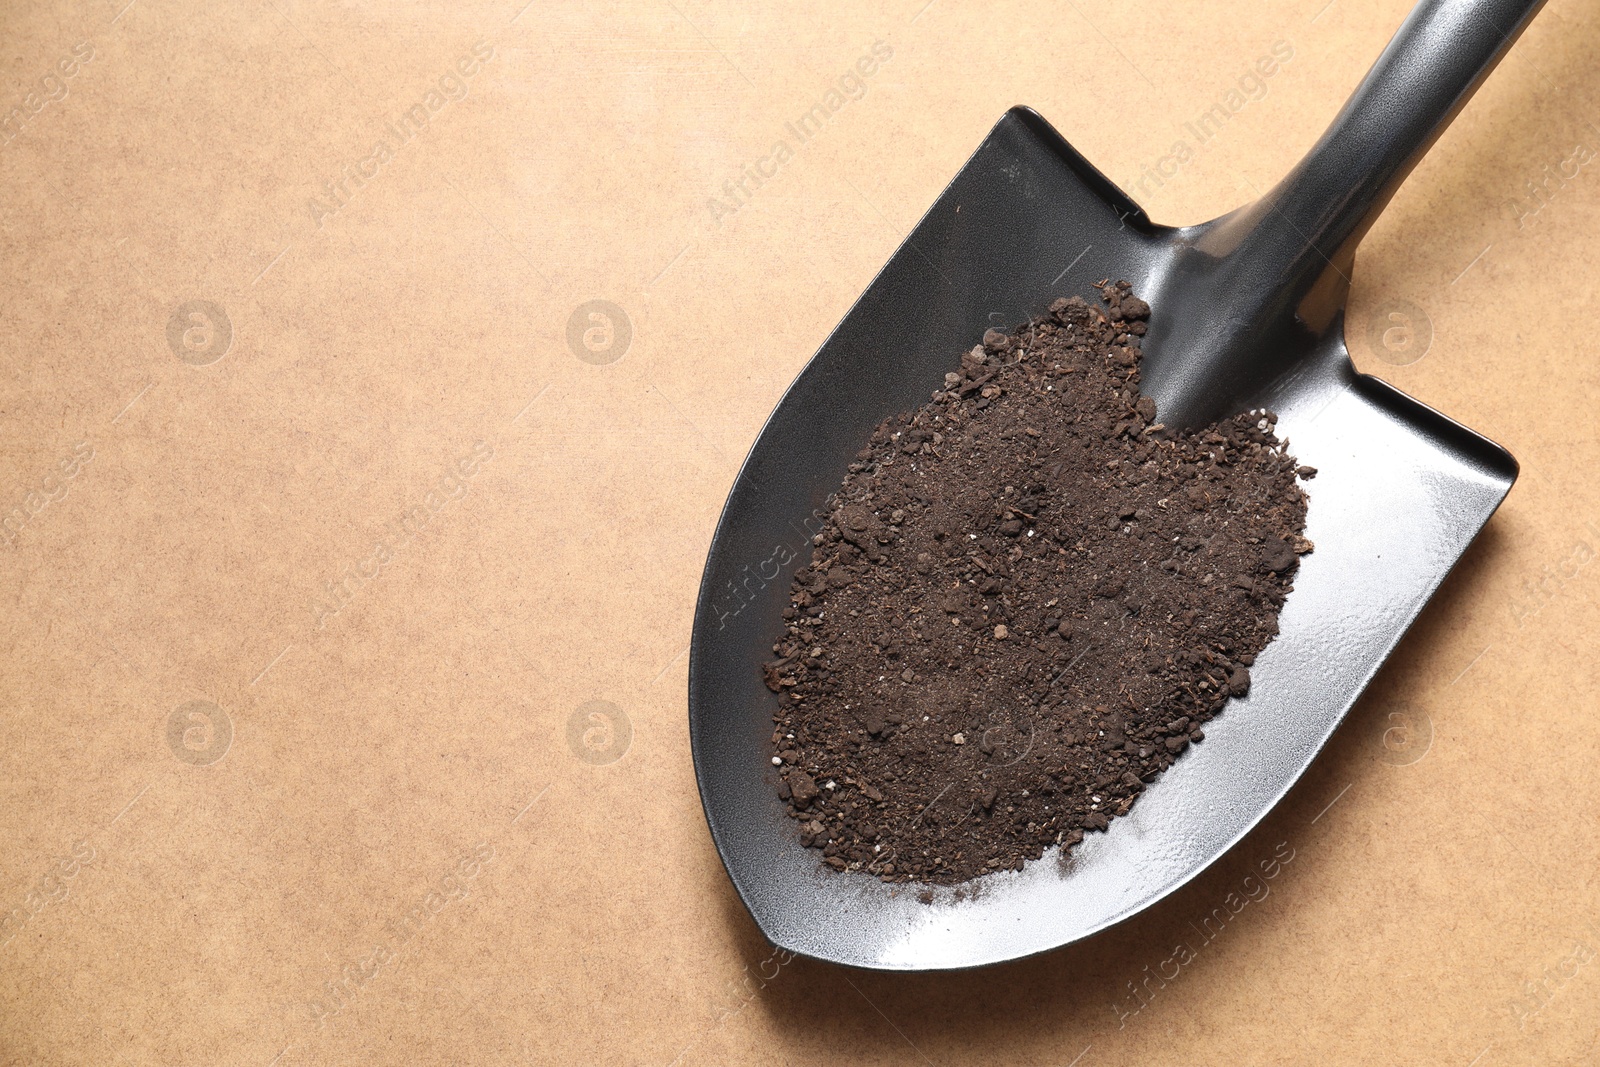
1247,313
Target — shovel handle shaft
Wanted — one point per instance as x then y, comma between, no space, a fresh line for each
1428,72
1262,287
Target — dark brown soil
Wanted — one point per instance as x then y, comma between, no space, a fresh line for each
1026,603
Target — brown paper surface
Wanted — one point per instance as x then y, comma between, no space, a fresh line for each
374,376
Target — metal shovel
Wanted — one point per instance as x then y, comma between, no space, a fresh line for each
1247,313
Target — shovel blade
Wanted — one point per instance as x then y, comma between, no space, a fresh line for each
1401,491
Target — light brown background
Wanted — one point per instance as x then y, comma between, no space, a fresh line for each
1455,866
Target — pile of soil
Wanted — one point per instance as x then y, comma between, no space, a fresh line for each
1027,602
